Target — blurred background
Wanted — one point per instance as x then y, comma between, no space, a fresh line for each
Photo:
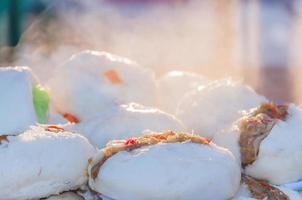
255,41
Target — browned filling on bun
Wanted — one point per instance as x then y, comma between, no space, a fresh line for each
146,140
257,126
262,190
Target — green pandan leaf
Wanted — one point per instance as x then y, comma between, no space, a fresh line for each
41,102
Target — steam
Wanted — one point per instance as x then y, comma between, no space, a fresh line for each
198,36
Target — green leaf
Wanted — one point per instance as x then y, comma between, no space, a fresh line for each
41,102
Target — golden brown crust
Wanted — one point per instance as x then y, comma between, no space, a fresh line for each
257,126
146,140
262,190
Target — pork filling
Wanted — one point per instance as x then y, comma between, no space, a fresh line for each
262,190
257,126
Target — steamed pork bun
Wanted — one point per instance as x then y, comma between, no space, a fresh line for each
42,162
128,121
174,85
92,82
269,143
216,106
22,102
284,139
165,165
